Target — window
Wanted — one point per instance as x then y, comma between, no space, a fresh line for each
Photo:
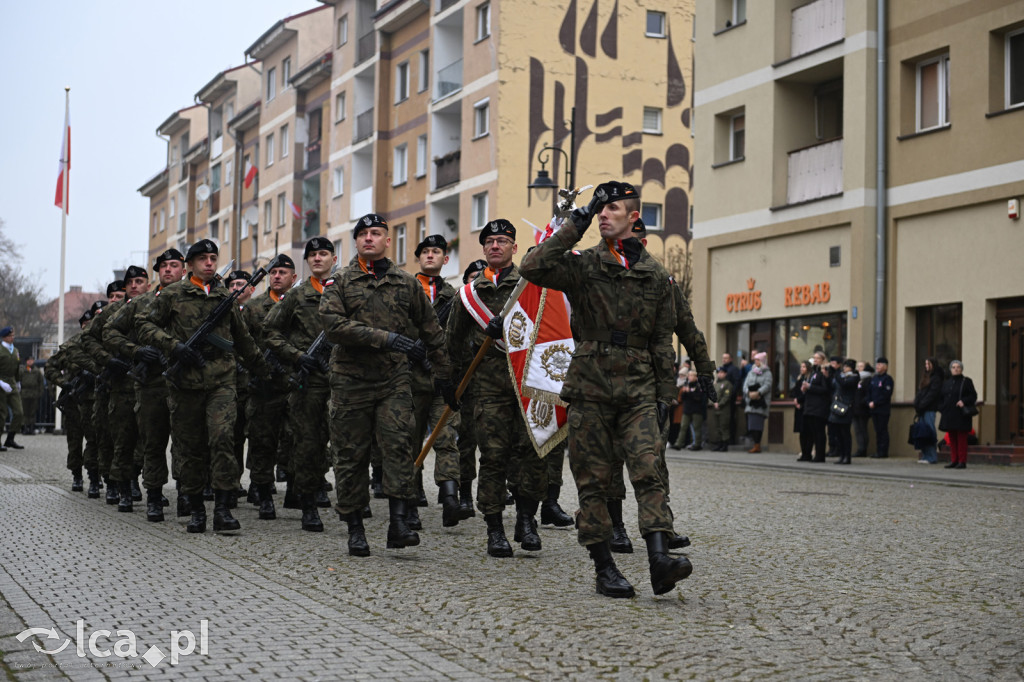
271,83
424,75
939,334
737,136
651,215
400,245
339,107
339,181
421,229
163,219
729,13
156,224
483,21
286,72
401,165
342,30
229,111
655,24
933,93
481,118
229,170
282,209
227,229
268,215
1015,69
421,156
652,120
479,210
214,229
215,178
285,143
245,229
401,82
172,206
270,149
834,256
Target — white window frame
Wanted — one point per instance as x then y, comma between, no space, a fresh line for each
943,92
271,84
653,14
733,155
421,156
423,81
421,228
227,229
339,181
479,210
163,219
483,21
1008,78
172,206
402,82
216,177
400,168
339,106
739,17
482,118
282,209
268,215
342,31
658,223
243,231
657,128
285,141
270,151
401,246
229,170
286,72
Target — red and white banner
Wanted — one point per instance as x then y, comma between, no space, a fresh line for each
59,200
540,347
250,175
296,211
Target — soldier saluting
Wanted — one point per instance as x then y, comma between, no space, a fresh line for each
203,402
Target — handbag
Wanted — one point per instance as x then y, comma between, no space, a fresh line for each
968,410
839,408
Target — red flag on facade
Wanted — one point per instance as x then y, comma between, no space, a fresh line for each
59,200
296,211
250,175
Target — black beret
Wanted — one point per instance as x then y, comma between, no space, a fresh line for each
98,305
435,241
284,261
639,229
479,265
236,274
116,285
201,246
86,316
169,254
317,244
617,191
134,271
499,227
6,331
369,220
882,360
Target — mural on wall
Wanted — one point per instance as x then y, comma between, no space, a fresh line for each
606,127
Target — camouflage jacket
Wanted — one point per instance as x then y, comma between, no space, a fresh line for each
421,381
492,377
92,337
254,314
691,337
358,310
120,336
176,312
31,382
54,369
293,324
622,320
10,367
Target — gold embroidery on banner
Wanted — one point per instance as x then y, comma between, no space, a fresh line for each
555,361
517,330
541,412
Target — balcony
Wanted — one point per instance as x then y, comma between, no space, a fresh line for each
816,25
447,171
449,80
313,155
362,203
442,5
815,172
366,47
364,126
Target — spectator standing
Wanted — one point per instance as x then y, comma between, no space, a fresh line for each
757,393
694,401
817,392
880,389
926,404
798,400
845,392
958,393
720,413
31,392
861,412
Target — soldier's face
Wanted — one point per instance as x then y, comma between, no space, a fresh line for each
432,259
170,272
498,251
615,222
240,285
282,279
372,243
136,286
204,266
321,261
116,296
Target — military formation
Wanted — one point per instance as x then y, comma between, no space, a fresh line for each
350,369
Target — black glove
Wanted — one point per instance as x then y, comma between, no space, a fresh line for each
662,415
447,390
308,363
418,352
707,384
582,217
117,366
399,342
148,355
186,356
495,328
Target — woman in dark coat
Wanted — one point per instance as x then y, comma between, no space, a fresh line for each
845,391
798,398
926,404
817,390
957,392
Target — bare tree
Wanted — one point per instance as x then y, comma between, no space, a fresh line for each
19,294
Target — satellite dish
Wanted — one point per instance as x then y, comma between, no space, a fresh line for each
251,215
203,192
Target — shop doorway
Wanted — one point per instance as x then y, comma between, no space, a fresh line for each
1010,372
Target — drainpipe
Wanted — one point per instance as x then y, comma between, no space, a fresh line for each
880,180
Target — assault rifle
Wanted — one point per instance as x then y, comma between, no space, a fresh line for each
140,372
115,369
78,385
319,349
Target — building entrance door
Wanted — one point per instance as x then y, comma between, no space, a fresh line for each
1010,372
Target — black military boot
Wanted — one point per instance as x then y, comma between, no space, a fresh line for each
310,516
197,505
367,512
113,497
94,484
497,543
222,518
76,481
551,513
322,500
328,487
412,518
620,543
9,443
526,525
610,582
281,475
399,533
208,493
449,493
136,490
124,491
677,541
466,510
266,501
291,498
154,505
232,499
252,495
357,545
377,483
421,495
183,504
666,571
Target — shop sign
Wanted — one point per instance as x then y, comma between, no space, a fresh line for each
808,294
748,300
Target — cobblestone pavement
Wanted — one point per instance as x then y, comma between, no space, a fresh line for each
875,571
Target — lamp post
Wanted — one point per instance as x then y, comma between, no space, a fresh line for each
543,182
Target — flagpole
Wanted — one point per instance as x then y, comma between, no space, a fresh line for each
63,236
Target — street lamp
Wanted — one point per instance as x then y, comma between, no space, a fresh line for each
543,182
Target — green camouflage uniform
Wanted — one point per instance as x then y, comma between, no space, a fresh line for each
719,419
506,451
78,362
92,345
31,391
266,410
56,373
10,372
203,405
371,393
126,458
622,323
289,330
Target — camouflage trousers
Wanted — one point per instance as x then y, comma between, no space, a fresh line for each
467,444
12,400
266,417
73,432
506,454
719,423
362,412
126,462
90,454
154,432
601,437
309,419
104,438
429,408
555,462
203,425
618,487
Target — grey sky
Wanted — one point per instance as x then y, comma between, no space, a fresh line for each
130,64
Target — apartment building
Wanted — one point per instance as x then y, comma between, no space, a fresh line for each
835,214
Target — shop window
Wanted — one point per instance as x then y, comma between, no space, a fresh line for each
939,335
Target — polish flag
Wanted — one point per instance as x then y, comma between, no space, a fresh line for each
296,211
65,165
250,175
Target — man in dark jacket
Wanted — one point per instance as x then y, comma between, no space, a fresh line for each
817,392
879,402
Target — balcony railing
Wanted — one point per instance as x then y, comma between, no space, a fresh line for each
449,80
364,125
442,5
447,169
366,47
815,25
815,172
